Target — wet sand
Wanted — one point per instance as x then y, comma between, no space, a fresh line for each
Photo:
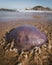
41,57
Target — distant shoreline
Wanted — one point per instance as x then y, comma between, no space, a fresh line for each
27,11
34,11
9,10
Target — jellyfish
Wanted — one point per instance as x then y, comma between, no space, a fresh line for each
25,37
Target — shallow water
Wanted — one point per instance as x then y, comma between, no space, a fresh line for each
31,16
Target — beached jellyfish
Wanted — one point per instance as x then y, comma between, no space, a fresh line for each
26,37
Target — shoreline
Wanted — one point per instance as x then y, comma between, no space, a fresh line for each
39,11
35,11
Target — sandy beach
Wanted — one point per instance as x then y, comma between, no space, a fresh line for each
41,57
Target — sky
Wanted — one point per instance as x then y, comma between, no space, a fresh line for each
22,4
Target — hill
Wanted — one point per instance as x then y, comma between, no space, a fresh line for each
3,9
41,8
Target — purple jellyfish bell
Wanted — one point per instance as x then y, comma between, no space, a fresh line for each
26,37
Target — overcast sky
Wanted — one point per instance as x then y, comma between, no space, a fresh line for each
22,4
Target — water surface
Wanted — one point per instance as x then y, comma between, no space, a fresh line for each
6,16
